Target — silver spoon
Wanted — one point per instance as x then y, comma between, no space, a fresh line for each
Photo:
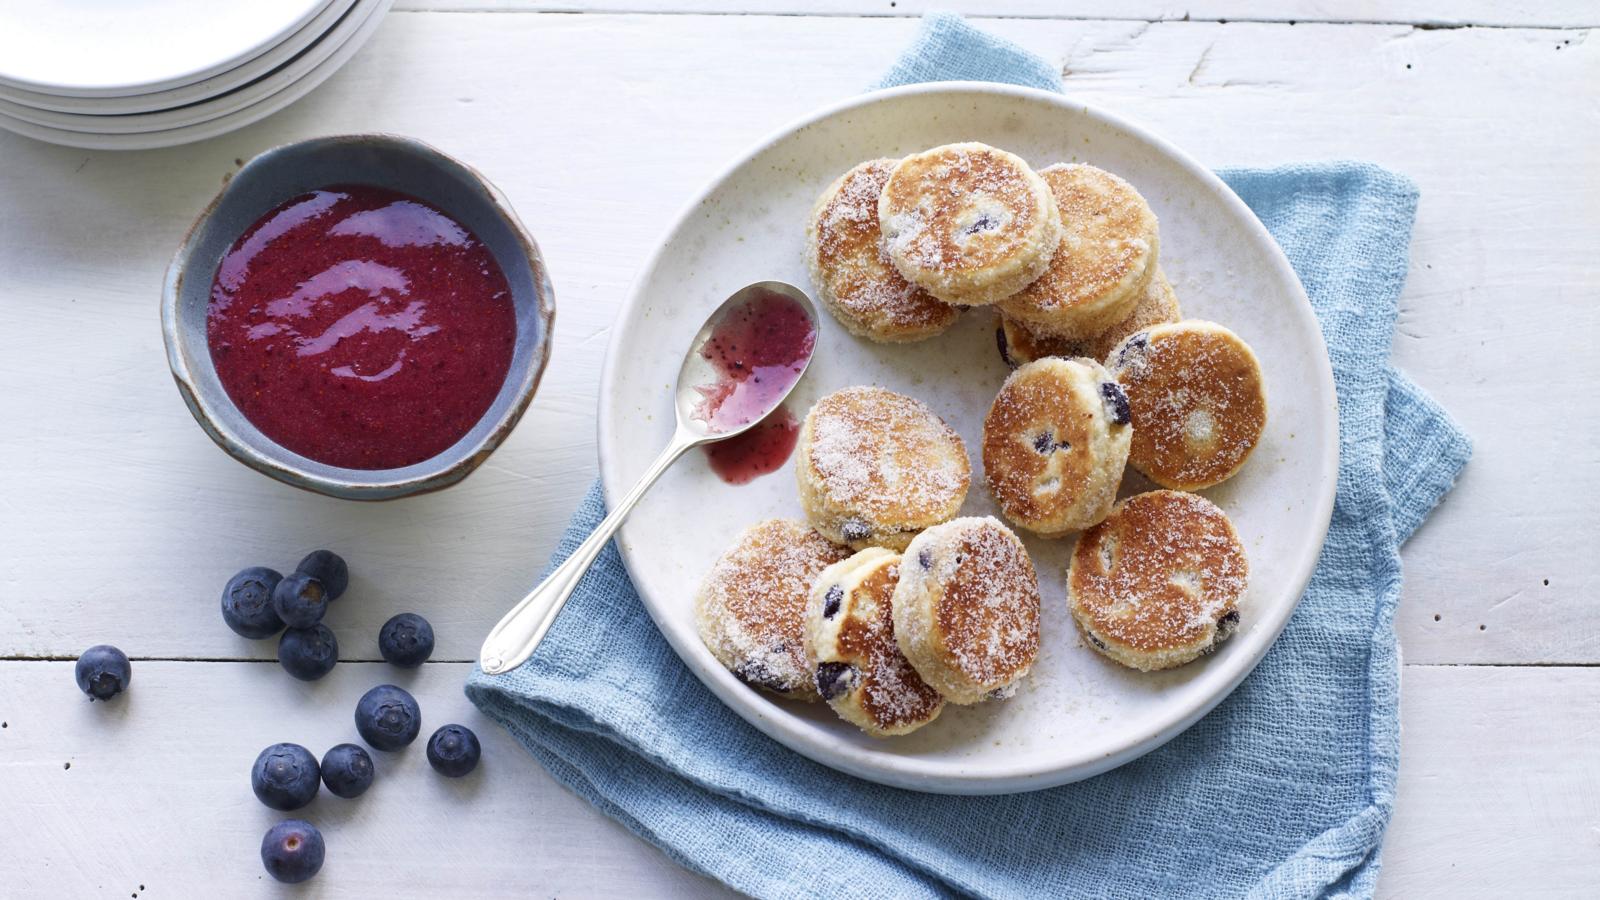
516,636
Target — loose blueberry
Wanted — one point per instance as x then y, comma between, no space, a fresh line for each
453,751
834,678
347,770
1116,400
247,603
388,718
855,530
285,776
293,850
300,600
406,640
327,567
831,601
308,653
103,672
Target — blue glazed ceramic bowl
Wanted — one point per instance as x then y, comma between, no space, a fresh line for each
382,160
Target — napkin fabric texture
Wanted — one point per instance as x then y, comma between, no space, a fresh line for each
1284,790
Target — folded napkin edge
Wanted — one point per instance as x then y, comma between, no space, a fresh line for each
1425,451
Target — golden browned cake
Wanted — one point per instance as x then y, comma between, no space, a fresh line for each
1108,253
1198,401
968,223
853,276
1054,444
1019,346
751,607
966,610
861,672
875,467
1158,583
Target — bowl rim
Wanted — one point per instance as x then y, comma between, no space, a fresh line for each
942,776
279,462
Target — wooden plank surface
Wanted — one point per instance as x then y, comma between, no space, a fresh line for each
1499,789
159,796
120,520
150,794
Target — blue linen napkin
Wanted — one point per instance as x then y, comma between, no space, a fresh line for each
1284,790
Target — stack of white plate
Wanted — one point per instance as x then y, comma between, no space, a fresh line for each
124,75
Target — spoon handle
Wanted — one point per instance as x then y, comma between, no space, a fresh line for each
517,635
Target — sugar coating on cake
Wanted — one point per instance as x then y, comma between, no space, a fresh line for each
1020,345
1107,256
875,467
853,275
1054,445
967,222
966,610
1158,583
861,672
750,610
1198,402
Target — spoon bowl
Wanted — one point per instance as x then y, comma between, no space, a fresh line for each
701,370
741,365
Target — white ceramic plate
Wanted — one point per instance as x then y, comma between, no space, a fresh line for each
117,47
204,111
369,13
1077,714
195,92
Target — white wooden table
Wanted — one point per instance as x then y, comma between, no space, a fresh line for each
119,521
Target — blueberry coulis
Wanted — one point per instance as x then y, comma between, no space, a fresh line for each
361,327
760,451
758,353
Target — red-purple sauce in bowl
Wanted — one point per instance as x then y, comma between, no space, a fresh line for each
360,316
361,327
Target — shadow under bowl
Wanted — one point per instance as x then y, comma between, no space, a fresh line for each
386,161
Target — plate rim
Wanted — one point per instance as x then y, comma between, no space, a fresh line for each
235,120
194,93
943,776
262,45
242,96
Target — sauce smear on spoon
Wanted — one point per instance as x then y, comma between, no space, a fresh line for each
759,352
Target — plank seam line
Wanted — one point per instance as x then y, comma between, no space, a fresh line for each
1505,665
453,662
623,11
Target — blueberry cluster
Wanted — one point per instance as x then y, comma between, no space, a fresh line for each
259,603
287,776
